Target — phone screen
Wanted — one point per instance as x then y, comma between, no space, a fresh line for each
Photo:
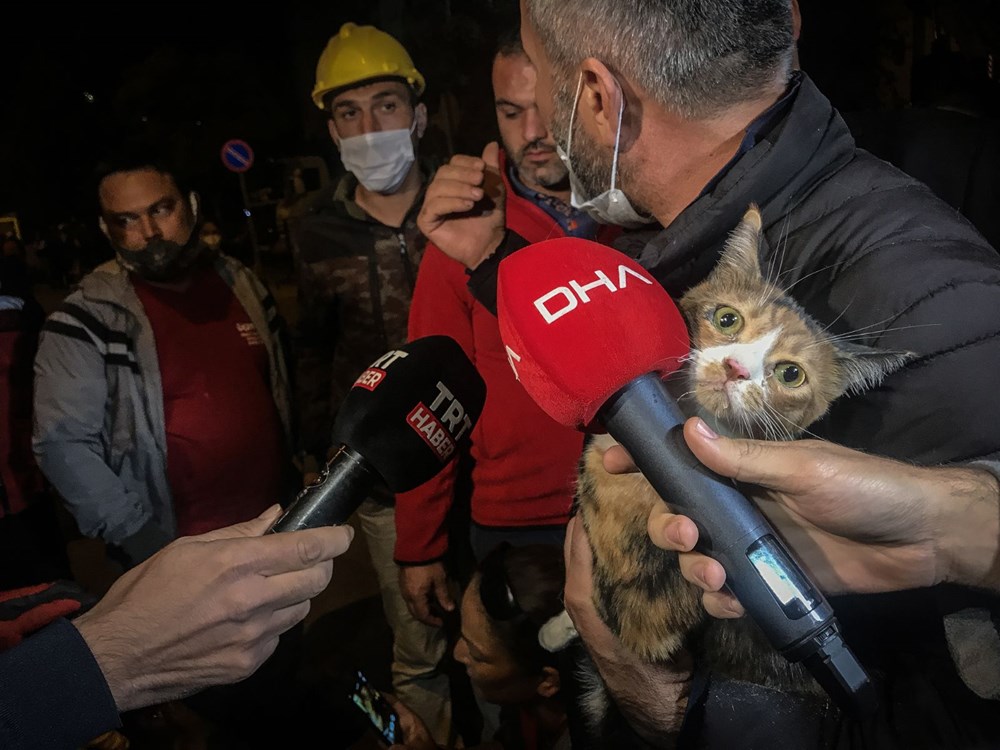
376,708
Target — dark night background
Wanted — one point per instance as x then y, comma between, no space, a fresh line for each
77,77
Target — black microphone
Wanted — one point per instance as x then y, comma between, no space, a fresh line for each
590,334
403,420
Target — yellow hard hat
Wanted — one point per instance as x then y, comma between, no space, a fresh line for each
360,53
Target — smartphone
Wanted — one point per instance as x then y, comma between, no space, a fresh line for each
374,705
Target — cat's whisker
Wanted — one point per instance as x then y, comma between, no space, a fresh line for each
870,325
802,430
773,428
787,289
780,431
860,333
778,256
843,312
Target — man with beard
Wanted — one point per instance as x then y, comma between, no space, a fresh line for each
523,462
685,113
161,401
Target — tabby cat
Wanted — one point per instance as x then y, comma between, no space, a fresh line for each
760,367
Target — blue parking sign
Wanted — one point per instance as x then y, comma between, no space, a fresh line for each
237,155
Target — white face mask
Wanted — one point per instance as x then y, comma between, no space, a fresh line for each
380,160
612,206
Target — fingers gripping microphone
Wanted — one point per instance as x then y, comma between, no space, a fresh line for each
401,422
590,336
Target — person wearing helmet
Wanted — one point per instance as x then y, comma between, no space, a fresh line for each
357,248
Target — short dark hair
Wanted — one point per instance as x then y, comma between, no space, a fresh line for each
509,42
520,589
134,156
329,96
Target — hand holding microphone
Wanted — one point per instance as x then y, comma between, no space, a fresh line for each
590,336
401,423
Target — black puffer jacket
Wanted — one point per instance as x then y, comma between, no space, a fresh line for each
864,248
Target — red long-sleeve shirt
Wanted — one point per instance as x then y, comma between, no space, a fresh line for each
525,463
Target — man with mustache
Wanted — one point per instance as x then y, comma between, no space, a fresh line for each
161,392
684,113
524,462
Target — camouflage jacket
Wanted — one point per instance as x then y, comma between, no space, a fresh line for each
355,280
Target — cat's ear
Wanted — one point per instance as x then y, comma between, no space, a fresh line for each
863,367
742,251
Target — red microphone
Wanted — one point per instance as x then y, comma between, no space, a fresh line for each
579,320
590,335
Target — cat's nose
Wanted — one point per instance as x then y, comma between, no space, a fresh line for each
735,370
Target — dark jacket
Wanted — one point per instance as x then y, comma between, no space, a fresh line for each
864,248
52,692
355,281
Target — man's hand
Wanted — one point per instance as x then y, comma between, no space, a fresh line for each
415,734
860,523
207,610
423,586
464,208
652,697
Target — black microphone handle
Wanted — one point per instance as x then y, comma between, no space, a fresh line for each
760,570
342,486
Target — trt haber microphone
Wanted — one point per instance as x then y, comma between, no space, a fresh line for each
591,335
405,418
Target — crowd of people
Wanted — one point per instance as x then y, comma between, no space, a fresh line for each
167,405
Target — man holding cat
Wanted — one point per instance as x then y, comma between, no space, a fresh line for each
691,136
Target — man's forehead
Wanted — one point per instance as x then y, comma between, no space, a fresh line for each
514,79
371,91
135,190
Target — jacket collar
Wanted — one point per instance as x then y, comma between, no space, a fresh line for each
804,146
345,204
109,282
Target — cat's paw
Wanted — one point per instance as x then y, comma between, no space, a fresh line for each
557,633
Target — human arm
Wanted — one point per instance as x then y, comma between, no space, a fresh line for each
205,610
651,697
861,523
449,216
71,394
441,305
414,734
52,692
208,609
425,589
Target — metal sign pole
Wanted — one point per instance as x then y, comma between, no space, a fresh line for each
237,156
251,227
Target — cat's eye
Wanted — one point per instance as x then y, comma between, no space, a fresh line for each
727,319
789,374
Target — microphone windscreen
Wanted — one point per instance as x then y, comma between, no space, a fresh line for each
409,411
579,320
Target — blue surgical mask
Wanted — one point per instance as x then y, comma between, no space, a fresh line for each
612,206
380,160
